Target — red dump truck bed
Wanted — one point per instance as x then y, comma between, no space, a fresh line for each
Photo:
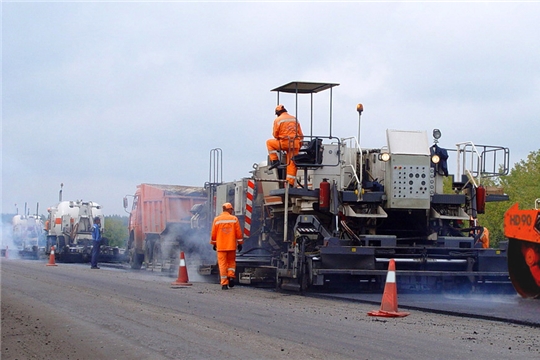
159,222
165,204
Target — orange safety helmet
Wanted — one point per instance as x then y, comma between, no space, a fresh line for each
280,109
227,206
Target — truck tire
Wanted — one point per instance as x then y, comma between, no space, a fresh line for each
135,260
60,252
158,257
149,253
61,240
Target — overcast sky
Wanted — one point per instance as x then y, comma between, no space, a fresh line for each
104,96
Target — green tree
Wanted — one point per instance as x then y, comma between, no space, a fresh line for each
116,230
522,186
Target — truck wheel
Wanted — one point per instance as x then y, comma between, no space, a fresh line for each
61,242
135,260
149,254
158,257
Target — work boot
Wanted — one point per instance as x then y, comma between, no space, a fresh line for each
273,164
231,282
224,287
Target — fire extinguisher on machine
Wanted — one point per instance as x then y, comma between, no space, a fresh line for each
324,195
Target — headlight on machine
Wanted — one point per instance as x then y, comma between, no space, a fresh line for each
435,159
384,156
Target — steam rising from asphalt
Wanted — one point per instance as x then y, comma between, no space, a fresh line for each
7,241
486,298
197,251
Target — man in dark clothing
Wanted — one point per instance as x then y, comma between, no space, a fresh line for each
96,242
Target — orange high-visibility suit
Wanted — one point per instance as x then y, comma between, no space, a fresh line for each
287,137
226,234
484,239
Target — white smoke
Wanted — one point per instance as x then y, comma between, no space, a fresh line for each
8,244
200,253
196,248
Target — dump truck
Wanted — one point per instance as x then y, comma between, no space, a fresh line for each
160,225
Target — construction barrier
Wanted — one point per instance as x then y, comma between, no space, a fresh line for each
249,207
182,279
389,303
52,260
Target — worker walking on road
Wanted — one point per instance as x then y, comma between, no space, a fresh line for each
96,242
287,137
226,238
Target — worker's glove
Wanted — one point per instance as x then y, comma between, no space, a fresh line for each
215,249
239,247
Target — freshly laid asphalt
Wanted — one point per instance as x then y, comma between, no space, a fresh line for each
507,307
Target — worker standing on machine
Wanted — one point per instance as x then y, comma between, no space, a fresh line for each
287,138
226,238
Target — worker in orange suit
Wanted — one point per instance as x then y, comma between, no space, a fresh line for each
226,238
484,238
287,138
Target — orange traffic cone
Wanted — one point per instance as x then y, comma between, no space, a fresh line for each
389,304
182,273
51,258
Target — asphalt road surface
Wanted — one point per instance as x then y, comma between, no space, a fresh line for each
72,312
502,307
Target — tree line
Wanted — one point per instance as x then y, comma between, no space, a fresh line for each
116,230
